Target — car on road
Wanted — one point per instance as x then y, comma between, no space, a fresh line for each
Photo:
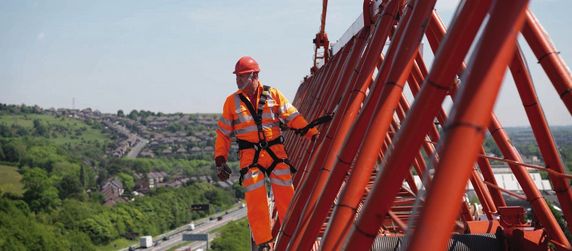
219,218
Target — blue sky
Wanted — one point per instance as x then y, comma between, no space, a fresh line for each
178,56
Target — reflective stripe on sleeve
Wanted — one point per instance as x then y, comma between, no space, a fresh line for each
284,108
226,121
292,116
224,131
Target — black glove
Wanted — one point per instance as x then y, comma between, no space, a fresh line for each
222,170
321,120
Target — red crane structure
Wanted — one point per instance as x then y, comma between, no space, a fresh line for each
356,189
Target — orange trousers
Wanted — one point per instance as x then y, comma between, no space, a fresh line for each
258,211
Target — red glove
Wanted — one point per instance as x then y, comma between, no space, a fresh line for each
222,170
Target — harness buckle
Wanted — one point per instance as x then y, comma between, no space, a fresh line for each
257,119
263,144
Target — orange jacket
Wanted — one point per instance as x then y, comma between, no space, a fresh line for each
237,121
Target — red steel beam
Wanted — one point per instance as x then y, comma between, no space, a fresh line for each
445,66
409,34
470,117
434,36
548,57
542,134
324,195
342,121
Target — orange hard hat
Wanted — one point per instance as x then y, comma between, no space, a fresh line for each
246,64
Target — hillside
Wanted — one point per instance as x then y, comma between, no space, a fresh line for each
59,167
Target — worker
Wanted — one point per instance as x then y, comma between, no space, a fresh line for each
253,114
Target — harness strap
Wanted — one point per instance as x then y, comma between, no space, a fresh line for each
257,119
258,147
262,143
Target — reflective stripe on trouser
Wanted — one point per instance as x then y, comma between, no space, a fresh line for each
256,195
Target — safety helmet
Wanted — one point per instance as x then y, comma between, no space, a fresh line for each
246,64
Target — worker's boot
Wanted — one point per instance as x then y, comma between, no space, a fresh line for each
264,247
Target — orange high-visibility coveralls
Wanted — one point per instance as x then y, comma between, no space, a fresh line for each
236,120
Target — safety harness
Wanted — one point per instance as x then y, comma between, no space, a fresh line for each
262,144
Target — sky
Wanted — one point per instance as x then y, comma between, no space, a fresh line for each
178,56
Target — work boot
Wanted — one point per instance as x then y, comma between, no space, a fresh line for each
264,247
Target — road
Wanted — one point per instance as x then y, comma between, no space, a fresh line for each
137,148
201,226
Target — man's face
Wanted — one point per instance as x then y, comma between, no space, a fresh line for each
244,80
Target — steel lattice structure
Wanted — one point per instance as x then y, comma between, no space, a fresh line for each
355,186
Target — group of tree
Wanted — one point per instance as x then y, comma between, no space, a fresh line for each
61,208
20,109
73,224
233,236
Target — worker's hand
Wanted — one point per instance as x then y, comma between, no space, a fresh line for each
312,134
222,170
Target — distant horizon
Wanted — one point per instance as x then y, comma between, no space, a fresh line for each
209,113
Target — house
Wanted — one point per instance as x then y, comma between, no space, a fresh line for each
112,190
156,178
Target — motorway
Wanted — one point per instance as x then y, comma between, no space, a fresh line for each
201,226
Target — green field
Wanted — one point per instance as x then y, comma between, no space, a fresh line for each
10,180
84,131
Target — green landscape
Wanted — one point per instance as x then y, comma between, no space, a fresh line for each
55,167
51,172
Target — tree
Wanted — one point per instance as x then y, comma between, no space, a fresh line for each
5,130
98,228
20,230
133,114
64,168
14,150
238,191
68,186
120,113
40,129
127,180
42,156
40,194
82,176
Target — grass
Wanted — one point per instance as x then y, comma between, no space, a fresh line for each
117,245
27,121
10,180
